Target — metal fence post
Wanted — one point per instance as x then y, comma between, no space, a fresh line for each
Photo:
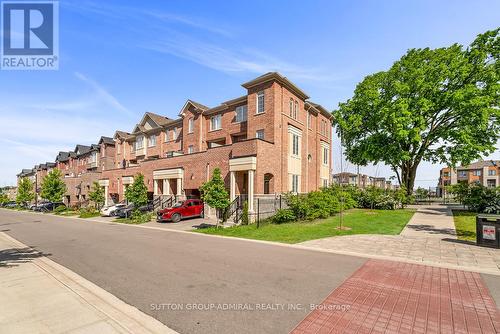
258,212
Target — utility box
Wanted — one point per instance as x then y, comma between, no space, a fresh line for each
488,230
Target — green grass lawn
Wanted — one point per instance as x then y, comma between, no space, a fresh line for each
89,214
465,224
360,221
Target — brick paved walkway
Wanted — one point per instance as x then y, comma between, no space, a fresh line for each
396,297
429,238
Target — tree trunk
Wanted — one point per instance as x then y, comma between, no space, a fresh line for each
408,174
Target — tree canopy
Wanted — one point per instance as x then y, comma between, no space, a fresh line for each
53,187
214,193
25,192
97,195
438,105
137,192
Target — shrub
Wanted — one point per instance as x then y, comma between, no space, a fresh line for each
283,216
60,209
478,197
139,217
88,213
244,214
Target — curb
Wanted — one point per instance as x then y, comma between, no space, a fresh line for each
296,246
128,317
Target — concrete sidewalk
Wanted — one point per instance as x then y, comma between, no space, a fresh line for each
429,238
39,296
432,221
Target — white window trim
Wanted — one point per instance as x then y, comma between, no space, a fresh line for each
219,116
263,103
190,125
244,110
150,143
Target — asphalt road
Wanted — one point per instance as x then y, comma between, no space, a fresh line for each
167,274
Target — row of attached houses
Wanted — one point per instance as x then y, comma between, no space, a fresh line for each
362,180
486,173
271,140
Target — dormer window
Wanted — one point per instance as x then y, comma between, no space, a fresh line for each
260,102
139,143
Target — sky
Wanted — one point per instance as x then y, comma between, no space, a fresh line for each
119,59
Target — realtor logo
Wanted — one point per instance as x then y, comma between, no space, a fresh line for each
30,35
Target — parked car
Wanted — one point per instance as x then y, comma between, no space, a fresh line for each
48,206
111,210
33,206
10,204
126,211
181,210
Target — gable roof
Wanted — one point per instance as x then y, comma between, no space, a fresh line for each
81,149
197,106
62,157
106,140
121,134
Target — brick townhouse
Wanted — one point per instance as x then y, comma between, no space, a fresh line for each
83,166
362,180
481,172
269,141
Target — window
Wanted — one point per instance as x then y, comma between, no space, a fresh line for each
295,183
295,144
477,172
174,134
325,183
152,141
139,143
291,107
190,149
241,114
491,183
190,125
215,122
166,136
296,110
325,156
492,172
260,102
118,148
462,173
309,120
259,134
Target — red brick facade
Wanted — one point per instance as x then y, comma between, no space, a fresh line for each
292,153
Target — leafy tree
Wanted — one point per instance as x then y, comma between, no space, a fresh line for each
53,187
137,192
437,105
214,193
97,195
3,198
25,192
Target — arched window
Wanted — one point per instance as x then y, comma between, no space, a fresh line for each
268,183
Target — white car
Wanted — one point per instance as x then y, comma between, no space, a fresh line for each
110,210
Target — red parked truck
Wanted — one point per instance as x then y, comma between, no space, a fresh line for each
184,209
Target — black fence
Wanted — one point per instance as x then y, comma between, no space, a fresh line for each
266,206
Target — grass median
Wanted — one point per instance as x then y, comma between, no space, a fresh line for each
465,224
361,221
